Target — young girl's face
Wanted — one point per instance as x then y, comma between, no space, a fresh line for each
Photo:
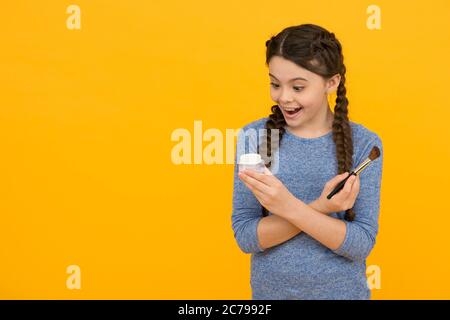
293,87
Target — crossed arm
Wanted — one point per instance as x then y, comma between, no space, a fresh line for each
273,230
351,239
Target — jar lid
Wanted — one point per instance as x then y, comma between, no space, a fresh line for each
250,158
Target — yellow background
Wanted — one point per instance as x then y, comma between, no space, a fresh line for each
86,118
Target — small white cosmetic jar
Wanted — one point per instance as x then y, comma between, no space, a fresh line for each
252,161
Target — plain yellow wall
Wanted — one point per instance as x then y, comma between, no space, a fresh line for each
86,118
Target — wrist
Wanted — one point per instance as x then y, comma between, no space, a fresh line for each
318,205
298,212
295,205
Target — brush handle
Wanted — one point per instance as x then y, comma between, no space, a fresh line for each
340,186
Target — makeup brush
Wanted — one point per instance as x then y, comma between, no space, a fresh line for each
374,153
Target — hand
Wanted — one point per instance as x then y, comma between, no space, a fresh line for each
270,192
341,201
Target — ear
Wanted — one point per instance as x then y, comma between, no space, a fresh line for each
333,83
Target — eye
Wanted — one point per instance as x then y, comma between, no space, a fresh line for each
274,85
298,88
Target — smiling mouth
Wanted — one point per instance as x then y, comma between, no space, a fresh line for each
292,111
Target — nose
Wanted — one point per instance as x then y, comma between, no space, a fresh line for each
285,97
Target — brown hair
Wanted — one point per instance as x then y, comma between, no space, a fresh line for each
317,50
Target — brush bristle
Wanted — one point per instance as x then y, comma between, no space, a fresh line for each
374,153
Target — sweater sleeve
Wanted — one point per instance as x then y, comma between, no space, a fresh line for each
246,208
362,231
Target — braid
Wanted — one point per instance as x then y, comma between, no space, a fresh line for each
317,50
276,121
342,135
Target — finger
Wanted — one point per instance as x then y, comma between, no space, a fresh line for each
356,184
338,178
254,182
263,178
355,191
259,196
267,171
349,183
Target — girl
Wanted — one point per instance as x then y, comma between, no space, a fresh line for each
303,245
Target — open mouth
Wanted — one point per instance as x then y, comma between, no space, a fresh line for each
294,111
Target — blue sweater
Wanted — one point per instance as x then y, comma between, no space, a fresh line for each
302,267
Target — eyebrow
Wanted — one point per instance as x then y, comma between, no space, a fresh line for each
298,78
